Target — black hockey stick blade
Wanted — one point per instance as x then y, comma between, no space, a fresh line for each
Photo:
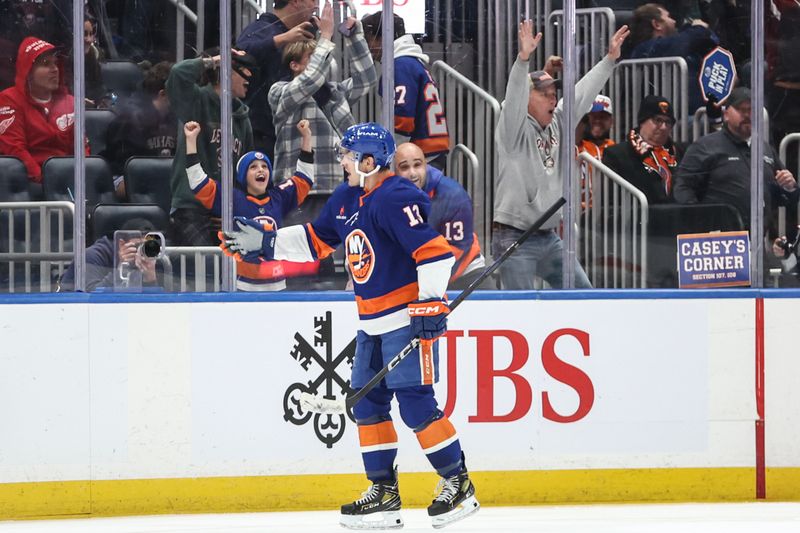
318,404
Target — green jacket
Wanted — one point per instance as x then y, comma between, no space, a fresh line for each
190,102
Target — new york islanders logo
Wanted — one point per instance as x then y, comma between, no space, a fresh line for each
360,256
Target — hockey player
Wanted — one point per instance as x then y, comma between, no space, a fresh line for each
451,212
256,197
400,267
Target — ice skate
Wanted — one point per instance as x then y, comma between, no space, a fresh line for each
378,508
456,500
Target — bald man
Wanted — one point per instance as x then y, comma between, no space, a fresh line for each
450,215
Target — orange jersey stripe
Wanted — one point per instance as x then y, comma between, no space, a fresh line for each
426,361
397,297
263,270
374,434
262,201
206,193
321,247
302,188
404,125
473,252
436,433
433,248
433,145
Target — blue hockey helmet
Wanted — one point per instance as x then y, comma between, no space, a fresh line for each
372,139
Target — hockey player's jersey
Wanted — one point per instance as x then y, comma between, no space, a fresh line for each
418,110
451,216
271,208
394,256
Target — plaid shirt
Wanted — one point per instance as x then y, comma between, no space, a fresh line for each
292,101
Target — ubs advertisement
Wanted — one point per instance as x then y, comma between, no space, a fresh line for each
211,389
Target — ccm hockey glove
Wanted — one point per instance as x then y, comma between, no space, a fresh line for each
428,318
251,243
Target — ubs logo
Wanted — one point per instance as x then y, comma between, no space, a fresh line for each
360,256
328,428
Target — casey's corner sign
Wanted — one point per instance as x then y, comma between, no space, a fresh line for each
720,259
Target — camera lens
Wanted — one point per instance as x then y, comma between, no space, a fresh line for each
151,248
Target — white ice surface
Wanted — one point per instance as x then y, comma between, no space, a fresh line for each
629,518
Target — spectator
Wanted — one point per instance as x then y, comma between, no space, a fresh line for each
648,158
716,168
265,38
450,214
100,264
191,223
145,125
593,137
50,21
255,196
530,170
418,111
784,98
654,34
37,113
95,90
325,104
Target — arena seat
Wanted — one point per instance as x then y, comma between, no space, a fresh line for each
59,180
147,180
122,77
97,122
13,180
108,218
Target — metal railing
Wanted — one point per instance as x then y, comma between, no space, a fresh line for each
36,244
783,152
497,39
472,116
594,28
184,13
198,268
633,79
612,243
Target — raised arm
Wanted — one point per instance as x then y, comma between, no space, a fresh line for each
515,107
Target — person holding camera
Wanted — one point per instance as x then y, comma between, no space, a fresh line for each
326,104
291,21
787,252
101,267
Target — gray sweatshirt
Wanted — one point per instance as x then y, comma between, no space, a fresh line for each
526,186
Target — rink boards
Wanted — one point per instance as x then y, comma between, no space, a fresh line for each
144,406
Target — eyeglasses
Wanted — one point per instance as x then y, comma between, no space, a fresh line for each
662,121
89,33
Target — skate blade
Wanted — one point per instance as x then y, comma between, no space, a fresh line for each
466,508
384,520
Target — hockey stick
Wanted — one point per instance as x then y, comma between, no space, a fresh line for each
318,404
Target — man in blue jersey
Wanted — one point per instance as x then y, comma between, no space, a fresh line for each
400,268
418,111
450,215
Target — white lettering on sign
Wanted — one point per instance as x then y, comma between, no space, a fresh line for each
719,75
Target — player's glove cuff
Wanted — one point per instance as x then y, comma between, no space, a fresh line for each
428,318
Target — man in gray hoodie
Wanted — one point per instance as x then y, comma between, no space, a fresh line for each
530,174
